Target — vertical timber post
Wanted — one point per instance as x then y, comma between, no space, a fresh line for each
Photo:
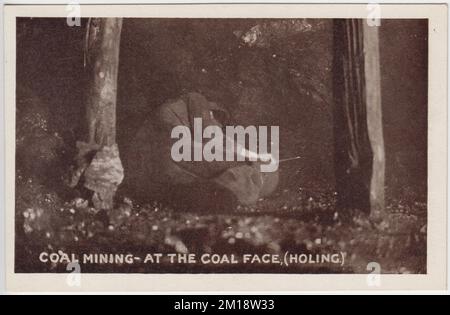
102,62
99,168
359,143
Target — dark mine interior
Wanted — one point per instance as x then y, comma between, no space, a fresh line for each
285,81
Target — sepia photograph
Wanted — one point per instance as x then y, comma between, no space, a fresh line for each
222,145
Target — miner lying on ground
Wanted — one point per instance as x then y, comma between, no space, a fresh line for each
151,172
